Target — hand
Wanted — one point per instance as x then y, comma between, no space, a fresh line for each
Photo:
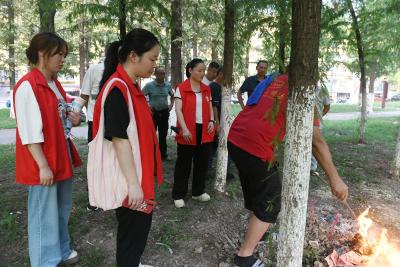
135,196
187,135
339,188
75,118
170,108
46,176
211,126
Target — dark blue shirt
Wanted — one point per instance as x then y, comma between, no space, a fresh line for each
216,97
249,85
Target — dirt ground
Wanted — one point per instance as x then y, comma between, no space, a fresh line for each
208,234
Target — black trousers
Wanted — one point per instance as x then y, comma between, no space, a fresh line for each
133,230
186,154
89,134
160,119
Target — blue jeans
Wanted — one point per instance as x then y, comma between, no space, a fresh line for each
49,208
314,164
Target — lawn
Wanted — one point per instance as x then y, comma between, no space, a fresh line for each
340,108
5,121
207,234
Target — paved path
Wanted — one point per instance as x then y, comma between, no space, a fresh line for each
7,136
355,115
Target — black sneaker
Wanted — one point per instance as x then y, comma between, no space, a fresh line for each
249,261
92,208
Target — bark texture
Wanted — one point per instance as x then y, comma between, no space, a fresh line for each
122,19
222,154
47,11
176,43
396,162
303,76
11,49
363,82
82,57
371,95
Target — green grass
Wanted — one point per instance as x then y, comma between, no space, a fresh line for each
92,257
5,121
362,162
235,109
343,108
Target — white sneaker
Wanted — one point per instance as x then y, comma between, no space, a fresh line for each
203,197
179,203
144,265
73,258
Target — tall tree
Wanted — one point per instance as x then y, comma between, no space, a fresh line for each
303,77
363,82
176,42
47,11
283,28
122,18
396,162
222,154
11,49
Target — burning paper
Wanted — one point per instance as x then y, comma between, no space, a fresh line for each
371,247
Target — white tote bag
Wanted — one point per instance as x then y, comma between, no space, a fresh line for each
106,182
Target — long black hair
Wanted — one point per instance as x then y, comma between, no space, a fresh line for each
193,63
137,40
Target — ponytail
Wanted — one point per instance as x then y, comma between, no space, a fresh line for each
137,40
192,64
111,62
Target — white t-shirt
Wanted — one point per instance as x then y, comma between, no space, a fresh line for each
199,105
206,81
29,118
90,86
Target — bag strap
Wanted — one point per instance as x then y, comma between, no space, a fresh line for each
103,99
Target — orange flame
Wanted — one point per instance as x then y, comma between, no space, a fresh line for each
378,251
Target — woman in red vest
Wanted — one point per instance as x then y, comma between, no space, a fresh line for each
44,151
195,119
128,60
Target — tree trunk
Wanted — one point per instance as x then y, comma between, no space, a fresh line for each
11,50
371,95
214,51
247,60
82,56
47,11
122,19
282,21
303,77
396,162
222,153
194,44
363,83
176,43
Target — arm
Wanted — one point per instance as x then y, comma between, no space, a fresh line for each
171,105
45,173
179,115
240,98
126,162
211,123
86,98
216,115
86,86
326,109
321,152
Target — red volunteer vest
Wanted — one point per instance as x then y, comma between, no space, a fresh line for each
149,150
54,145
257,129
189,113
